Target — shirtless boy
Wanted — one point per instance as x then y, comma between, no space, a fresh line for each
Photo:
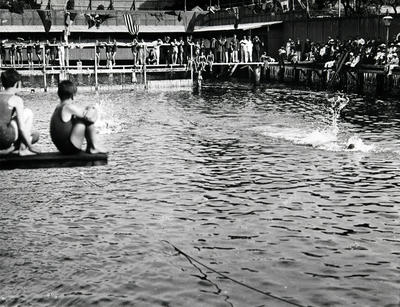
15,120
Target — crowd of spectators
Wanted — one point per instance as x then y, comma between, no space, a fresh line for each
200,52
357,51
203,53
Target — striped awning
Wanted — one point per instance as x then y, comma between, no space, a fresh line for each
231,27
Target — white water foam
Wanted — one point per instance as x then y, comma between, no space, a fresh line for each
107,122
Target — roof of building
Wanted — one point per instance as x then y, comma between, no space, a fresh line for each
231,27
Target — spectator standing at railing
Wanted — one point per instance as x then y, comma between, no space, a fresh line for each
175,51
380,58
306,50
61,54
257,45
393,63
225,49
54,51
289,46
109,53
12,55
114,53
29,53
141,54
188,49
167,50
243,50
181,51
157,47
202,61
38,51
297,48
19,53
98,52
2,53
213,47
250,49
282,55
234,49
210,59
196,51
220,50
47,53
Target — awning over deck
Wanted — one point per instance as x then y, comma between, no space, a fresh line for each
101,29
241,26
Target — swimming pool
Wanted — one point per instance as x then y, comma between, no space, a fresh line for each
252,183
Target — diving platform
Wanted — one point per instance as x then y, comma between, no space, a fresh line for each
52,160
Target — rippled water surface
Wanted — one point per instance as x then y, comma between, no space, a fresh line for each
255,184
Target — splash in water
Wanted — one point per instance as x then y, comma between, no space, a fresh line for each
107,122
327,138
337,105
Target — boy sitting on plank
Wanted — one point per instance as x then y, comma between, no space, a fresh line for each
72,124
15,120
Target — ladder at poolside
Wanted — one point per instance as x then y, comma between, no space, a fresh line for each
340,65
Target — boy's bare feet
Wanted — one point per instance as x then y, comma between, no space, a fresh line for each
7,151
96,150
26,152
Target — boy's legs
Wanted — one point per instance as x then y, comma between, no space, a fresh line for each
84,130
27,119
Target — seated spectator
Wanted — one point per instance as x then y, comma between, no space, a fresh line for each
151,58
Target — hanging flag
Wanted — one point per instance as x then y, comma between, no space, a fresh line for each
237,16
45,17
131,25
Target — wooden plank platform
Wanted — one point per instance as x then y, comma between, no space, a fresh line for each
51,160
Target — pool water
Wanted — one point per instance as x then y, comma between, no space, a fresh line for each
255,184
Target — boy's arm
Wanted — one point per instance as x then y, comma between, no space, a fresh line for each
88,114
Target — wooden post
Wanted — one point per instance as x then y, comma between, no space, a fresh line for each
360,82
96,81
144,66
191,63
44,69
257,75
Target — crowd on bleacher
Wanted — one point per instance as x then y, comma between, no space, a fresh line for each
353,52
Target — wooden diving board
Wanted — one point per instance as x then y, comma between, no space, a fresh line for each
52,160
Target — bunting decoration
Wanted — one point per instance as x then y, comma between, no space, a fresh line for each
131,25
96,19
45,17
158,16
133,6
175,13
16,7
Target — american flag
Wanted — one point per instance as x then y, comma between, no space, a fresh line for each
131,25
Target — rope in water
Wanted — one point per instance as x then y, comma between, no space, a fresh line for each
190,258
